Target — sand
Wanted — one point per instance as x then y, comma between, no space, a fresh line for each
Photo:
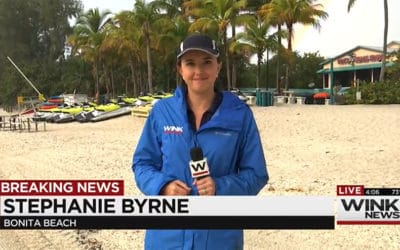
309,149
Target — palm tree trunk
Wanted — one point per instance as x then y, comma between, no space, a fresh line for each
289,64
96,78
132,68
287,76
258,71
278,61
228,71
290,35
126,86
385,33
112,83
234,76
149,74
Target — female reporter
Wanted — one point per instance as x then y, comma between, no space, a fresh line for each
220,125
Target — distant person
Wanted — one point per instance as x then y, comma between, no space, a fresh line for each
199,116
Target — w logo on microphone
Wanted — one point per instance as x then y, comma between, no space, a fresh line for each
199,168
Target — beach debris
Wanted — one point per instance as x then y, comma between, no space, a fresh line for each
88,243
93,244
294,189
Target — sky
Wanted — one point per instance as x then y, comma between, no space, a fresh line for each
342,31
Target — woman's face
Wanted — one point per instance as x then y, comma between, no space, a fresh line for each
199,70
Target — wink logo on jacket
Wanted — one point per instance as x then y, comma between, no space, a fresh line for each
173,130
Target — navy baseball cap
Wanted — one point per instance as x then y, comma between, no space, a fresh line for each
198,42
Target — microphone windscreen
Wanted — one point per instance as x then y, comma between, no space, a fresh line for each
196,154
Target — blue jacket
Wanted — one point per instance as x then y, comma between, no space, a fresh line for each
232,146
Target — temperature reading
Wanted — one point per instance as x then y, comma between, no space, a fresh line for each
396,191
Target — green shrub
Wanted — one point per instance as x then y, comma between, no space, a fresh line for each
387,92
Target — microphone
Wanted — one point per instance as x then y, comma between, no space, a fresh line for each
198,165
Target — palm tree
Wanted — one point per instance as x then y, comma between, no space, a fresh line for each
145,15
290,12
214,17
128,37
88,36
256,40
110,59
273,13
173,8
167,43
172,29
385,34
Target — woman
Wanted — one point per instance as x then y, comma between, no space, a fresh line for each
199,116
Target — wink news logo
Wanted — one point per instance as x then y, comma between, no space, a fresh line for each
173,130
373,208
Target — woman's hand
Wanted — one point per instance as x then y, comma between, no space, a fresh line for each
175,187
205,186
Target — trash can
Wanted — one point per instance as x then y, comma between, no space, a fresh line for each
263,99
270,98
258,98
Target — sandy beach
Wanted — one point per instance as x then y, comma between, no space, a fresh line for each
309,150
